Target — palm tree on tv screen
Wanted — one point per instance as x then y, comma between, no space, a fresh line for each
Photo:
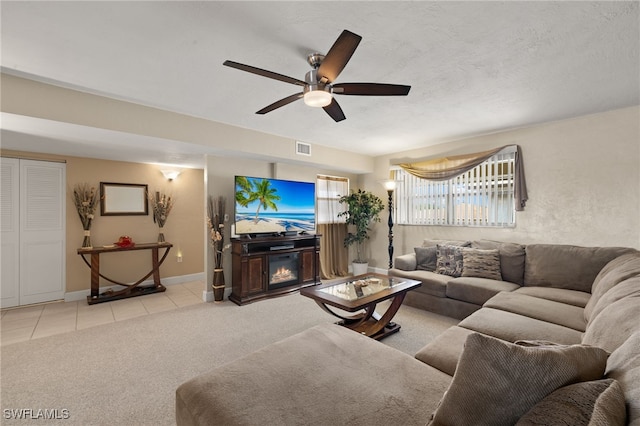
256,190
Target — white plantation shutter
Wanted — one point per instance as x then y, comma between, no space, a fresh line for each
482,196
329,189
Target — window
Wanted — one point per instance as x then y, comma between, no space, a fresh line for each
329,189
482,196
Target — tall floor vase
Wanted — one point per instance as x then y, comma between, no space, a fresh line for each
218,285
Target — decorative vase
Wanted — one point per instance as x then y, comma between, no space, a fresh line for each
218,284
161,236
86,242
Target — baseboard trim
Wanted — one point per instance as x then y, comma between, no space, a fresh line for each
207,296
74,296
383,271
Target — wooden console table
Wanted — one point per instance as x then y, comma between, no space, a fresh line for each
130,290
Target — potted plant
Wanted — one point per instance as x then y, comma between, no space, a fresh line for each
363,208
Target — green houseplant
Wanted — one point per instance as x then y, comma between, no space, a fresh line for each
363,208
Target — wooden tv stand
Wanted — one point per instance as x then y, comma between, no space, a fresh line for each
251,258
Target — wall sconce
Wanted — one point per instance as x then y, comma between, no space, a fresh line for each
170,174
390,186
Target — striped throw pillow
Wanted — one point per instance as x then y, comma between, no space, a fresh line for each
481,263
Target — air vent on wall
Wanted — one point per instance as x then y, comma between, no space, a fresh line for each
303,148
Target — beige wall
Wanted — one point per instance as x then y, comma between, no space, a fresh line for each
583,177
183,228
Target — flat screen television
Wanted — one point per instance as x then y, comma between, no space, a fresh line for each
269,206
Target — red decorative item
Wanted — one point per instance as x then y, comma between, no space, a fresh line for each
125,241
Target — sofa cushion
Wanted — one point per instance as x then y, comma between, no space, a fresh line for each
613,273
432,283
406,262
325,375
449,260
511,327
481,263
444,351
627,288
542,309
451,308
569,297
565,266
614,324
498,382
476,290
623,365
512,257
598,402
425,258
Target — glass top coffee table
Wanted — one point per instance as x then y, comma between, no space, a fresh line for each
363,292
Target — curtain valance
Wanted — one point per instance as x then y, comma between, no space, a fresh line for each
449,167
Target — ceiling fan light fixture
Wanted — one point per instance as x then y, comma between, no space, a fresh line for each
317,98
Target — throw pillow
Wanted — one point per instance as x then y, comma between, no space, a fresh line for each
449,260
425,258
599,402
481,263
497,382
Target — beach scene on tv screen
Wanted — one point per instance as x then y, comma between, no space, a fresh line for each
273,205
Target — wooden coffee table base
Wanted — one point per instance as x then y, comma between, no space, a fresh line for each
369,322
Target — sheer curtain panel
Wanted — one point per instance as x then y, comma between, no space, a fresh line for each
334,256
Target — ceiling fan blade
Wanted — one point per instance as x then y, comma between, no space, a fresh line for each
264,73
370,89
338,56
334,110
280,103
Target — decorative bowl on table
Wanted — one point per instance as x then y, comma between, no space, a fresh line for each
125,242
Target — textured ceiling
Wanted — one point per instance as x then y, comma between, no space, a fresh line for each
474,67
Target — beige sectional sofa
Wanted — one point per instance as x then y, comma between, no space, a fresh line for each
557,272
561,347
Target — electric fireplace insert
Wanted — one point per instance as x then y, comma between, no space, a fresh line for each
283,270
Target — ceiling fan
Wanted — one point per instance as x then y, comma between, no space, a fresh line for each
318,86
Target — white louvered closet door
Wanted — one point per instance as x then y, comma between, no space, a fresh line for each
39,264
10,233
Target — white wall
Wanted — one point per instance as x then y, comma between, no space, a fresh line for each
583,177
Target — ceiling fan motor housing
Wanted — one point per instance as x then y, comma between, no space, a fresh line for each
314,83
316,93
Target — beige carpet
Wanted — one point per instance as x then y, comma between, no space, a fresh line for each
126,373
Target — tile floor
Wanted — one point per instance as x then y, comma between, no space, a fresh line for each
34,321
